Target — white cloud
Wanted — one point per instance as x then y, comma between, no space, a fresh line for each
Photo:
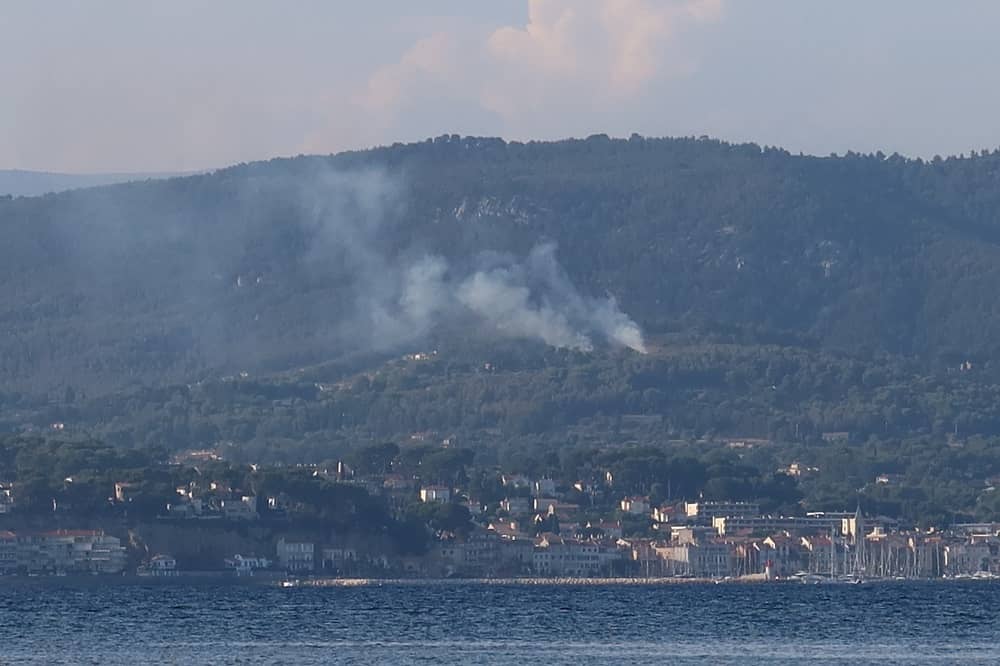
618,44
432,60
594,53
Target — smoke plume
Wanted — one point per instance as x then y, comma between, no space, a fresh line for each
531,299
535,299
398,301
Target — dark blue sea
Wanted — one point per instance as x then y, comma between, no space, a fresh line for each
893,623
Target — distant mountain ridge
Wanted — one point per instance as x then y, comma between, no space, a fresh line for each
21,183
273,265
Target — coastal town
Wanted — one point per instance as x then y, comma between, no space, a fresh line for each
529,527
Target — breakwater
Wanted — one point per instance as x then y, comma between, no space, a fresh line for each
518,581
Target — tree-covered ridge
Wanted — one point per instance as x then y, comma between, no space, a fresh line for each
837,312
535,410
174,281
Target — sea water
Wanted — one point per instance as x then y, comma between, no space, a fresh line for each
218,623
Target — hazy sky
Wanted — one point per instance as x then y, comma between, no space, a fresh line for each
178,85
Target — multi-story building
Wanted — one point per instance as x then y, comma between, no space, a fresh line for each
8,552
63,551
725,525
707,511
557,556
476,554
339,559
966,558
823,554
783,553
296,556
708,559
515,554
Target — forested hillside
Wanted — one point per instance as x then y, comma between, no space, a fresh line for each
540,304
270,266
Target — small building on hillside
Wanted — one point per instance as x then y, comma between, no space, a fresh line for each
636,505
516,506
515,481
440,494
664,513
6,496
544,488
125,491
244,508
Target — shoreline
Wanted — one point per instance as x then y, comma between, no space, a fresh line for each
596,582
284,581
515,581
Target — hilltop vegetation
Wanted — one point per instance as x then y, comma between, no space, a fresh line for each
265,309
742,412
253,268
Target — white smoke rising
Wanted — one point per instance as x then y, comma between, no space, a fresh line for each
530,299
425,295
397,304
497,298
537,300
617,326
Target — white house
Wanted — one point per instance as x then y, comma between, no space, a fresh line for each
125,490
161,566
435,494
245,566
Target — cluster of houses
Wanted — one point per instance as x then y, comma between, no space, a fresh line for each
536,530
723,540
543,529
211,500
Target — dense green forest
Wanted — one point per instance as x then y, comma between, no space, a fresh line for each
838,312
262,267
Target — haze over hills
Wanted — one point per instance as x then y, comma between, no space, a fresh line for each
271,265
20,183
531,300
